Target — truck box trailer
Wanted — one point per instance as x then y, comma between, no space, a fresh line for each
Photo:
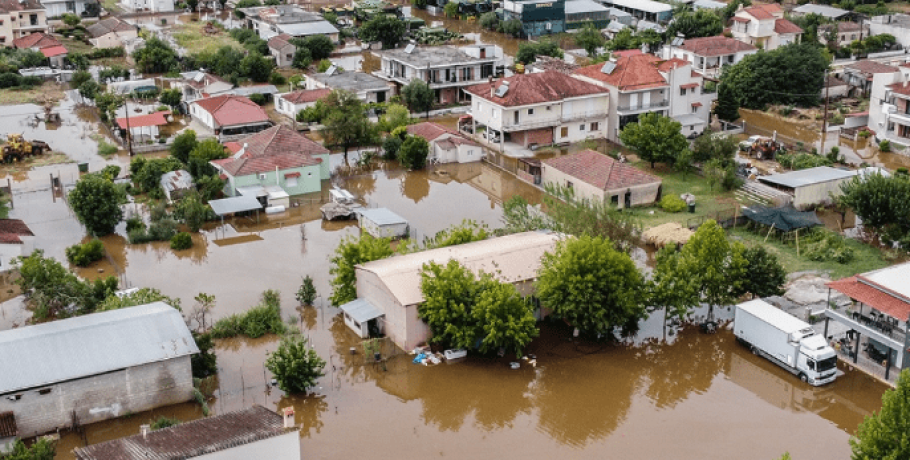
786,341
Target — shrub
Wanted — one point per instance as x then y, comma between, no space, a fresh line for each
823,246
256,322
902,171
133,223
181,241
258,98
307,292
163,422
82,255
277,79
106,148
885,145
672,203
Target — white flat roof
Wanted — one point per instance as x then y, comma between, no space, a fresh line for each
642,5
895,278
361,310
809,176
823,10
235,204
381,216
583,6
765,311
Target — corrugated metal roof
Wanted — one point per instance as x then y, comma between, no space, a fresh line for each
92,344
361,310
806,177
829,12
381,216
708,4
584,6
510,258
235,204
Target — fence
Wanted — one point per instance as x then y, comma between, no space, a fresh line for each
726,218
727,127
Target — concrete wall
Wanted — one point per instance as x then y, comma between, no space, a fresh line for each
101,397
57,9
284,57
290,109
383,231
809,195
283,447
10,251
900,30
203,116
12,29
462,153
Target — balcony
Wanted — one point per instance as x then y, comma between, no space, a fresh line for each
523,125
652,105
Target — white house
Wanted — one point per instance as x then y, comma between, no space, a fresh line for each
708,55
282,50
251,433
95,367
446,146
229,115
367,87
16,239
150,6
57,8
594,176
391,286
539,109
199,84
292,20
290,104
764,26
896,24
111,33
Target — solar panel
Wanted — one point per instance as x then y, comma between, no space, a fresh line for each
502,90
678,41
410,48
331,70
608,67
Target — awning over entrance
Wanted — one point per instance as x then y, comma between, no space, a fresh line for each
873,297
361,310
235,204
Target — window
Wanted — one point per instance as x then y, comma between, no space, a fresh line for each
614,199
530,111
564,132
33,19
682,91
549,107
471,152
14,397
290,182
853,37
569,185
581,127
262,177
694,109
811,364
44,391
595,126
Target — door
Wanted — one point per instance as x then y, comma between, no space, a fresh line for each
516,116
645,100
633,101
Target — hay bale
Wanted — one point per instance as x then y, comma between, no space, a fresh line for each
669,233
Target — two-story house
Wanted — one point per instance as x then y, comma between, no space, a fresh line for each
859,75
841,34
447,69
367,87
19,18
292,20
889,105
708,55
539,109
151,6
690,105
764,26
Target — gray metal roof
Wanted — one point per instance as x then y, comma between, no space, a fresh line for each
806,177
361,310
251,90
303,29
823,10
381,216
583,6
73,348
709,4
235,204
352,81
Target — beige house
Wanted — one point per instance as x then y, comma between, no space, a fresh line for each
388,290
446,146
282,50
19,18
111,32
594,176
764,26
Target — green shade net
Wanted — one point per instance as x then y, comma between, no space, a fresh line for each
784,219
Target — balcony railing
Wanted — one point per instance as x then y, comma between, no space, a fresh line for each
650,105
584,115
511,125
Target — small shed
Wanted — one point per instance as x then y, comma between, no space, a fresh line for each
382,223
144,127
176,184
810,186
363,317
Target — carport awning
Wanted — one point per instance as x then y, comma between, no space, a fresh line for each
235,204
361,310
687,119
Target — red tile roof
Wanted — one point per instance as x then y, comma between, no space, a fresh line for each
672,63
8,426
696,104
52,51
111,24
293,174
765,11
536,88
689,86
428,130
306,95
740,19
783,26
152,119
631,73
716,46
277,147
12,229
600,170
627,53
871,296
234,147
900,88
279,41
228,110
36,40
871,67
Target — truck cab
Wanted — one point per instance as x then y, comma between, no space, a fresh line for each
817,361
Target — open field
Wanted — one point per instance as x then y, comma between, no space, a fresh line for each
190,35
49,91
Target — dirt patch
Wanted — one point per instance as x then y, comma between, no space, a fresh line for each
194,39
47,159
49,91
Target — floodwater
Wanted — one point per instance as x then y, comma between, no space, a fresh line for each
702,396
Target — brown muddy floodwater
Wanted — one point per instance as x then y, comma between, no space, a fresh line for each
694,396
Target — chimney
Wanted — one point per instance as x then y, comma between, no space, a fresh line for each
144,429
288,414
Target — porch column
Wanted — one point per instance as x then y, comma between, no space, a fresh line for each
888,364
856,347
825,334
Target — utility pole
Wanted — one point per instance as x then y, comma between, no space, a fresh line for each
825,116
129,134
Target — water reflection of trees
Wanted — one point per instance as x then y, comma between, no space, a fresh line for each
362,185
415,185
308,315
689,365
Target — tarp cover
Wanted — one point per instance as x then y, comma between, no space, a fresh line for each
784,219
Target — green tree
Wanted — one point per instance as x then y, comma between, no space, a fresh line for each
489,21
886,434
727,107
765,276
183,144
383,28
590,284
451,9
708,146
731,8
202,154
695,24
683,163
506,319
140,297
519,216
715,266
55,291
71,20
95,202
655,138
468,231
257,67
43,449
676,294
89,89
319,46
346,124
155,57
350,253
511,27
590,38
204,363
390,147
80,77
395,115
192,211
418,96
295,365
413,153
758,79
302,58
883,203
171,97
528,52
306,294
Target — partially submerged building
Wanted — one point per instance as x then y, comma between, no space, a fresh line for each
446,146
176,184
95,367
810,186
447,69
391,286
255,432
382,223
594,176
291,20
16,239
230,116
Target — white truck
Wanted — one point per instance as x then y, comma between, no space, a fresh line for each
786,341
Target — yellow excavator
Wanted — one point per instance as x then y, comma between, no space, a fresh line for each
17,148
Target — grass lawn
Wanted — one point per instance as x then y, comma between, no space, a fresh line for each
707,202
75,46
112,6
866,257
190,36
48,91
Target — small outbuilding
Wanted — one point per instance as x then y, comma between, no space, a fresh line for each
16,239
8,432
363,318
176,184
810,186
382,223
144,127
594,176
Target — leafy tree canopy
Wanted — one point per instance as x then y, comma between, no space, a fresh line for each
418,96
413,153
528,52
793,74
655,138
383,28
155,57
295,365
349,253
590,38
95,201
700,23
886,434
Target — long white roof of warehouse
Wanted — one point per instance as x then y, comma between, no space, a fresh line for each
647,6
73,348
